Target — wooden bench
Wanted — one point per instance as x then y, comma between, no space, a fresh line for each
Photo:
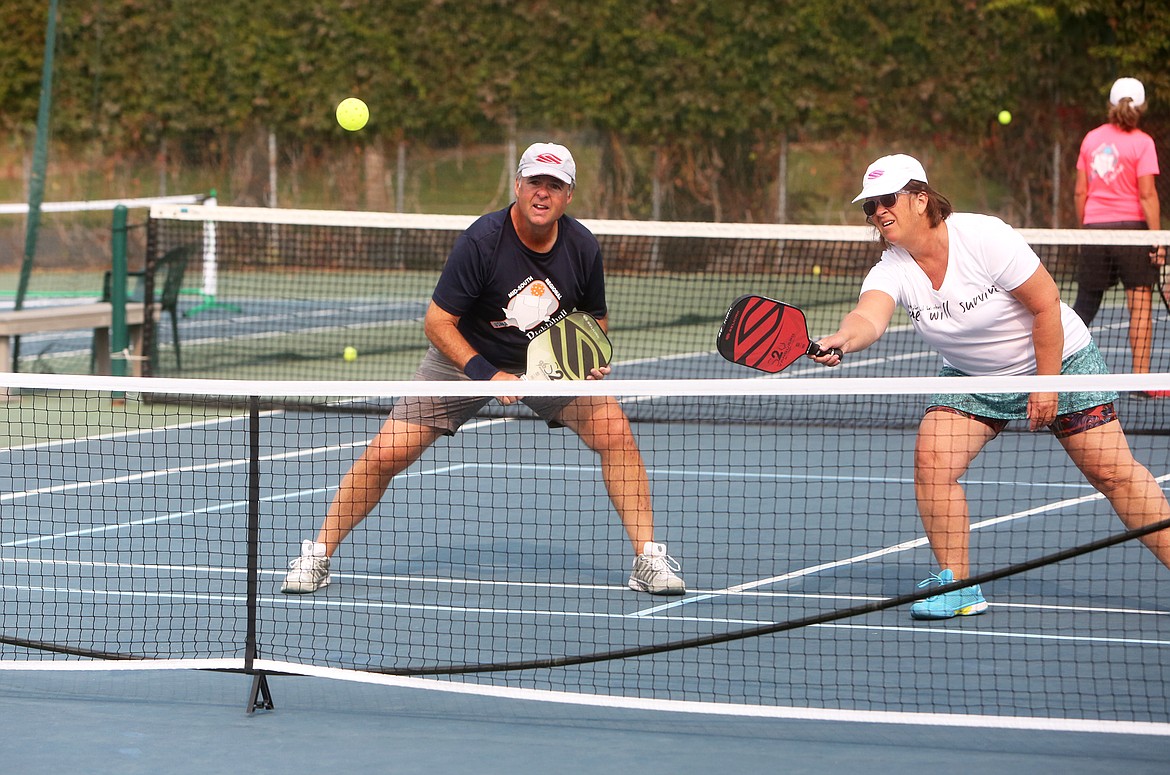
97,316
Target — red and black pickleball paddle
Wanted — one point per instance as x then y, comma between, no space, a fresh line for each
765,334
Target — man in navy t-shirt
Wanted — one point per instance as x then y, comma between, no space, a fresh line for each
511,274
502,292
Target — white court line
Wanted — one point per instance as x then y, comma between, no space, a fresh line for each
115,435
1008,634
684,473
161,518
160,473
286,601
221,464
895,549
284,333
441,581
230,505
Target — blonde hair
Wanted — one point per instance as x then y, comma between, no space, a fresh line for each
1125,115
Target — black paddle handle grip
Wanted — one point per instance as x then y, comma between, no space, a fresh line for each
815,349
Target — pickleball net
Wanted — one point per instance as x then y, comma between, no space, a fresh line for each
148,534
293,288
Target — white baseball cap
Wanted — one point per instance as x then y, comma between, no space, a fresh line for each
548,159
889,175
1128,87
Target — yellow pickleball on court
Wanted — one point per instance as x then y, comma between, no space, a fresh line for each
352,114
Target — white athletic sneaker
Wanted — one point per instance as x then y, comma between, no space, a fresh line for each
309,572
654,572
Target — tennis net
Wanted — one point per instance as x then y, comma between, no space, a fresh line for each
157,534
75,243
284,292
72,243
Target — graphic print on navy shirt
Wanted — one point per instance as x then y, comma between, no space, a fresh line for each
532,306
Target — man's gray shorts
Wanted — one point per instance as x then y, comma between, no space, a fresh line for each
448,413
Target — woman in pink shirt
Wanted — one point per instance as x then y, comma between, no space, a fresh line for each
1115,190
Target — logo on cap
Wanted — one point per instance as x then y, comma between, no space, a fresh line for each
875,174
548,158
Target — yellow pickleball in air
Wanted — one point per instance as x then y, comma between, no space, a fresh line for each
349,354
352,114
1005,117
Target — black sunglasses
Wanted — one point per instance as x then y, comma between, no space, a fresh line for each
869,206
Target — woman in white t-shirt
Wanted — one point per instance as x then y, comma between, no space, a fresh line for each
977,293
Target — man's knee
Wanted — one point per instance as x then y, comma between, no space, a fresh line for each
609,434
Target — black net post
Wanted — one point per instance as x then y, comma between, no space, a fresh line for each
259,697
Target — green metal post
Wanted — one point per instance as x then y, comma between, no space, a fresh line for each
119,335
36,183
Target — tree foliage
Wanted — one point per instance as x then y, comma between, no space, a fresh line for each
690,98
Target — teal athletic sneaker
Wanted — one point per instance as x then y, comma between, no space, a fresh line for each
967,601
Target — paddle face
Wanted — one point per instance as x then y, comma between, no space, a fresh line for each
764,334
570,349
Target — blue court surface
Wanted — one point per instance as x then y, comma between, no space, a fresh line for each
500,545
184,722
